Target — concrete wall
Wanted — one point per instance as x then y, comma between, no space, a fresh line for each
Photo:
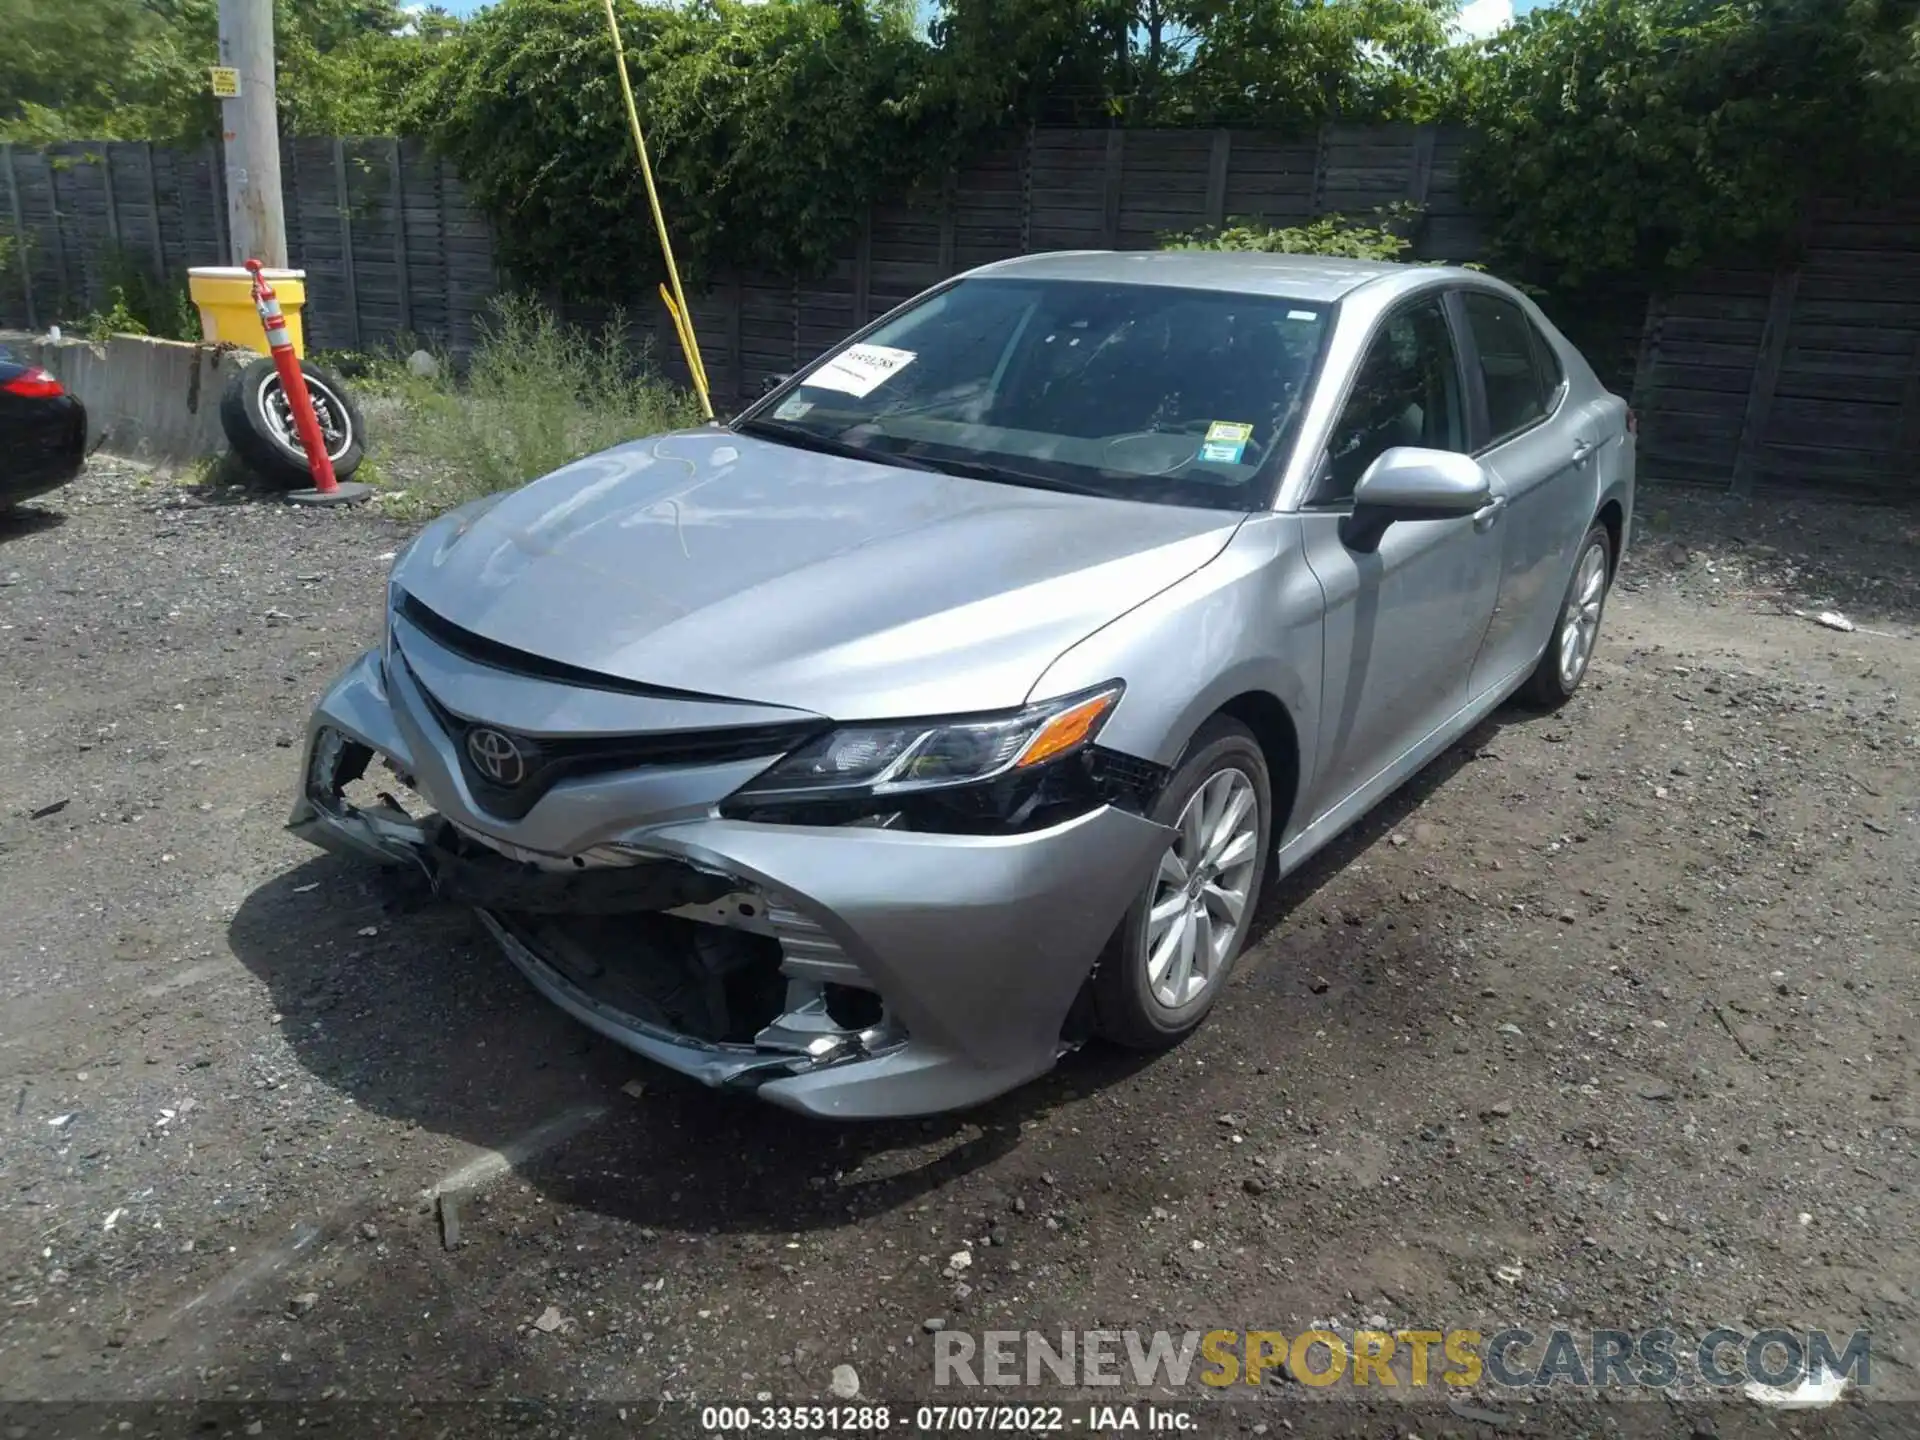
151,400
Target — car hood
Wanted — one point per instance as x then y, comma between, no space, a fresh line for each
712,562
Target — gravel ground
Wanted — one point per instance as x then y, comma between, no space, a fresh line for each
1609,1019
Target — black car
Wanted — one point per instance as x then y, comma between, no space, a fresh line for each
43,432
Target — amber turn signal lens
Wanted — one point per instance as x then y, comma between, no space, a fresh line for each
1066,730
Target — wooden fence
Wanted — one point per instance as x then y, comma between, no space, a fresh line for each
1805,377
390,246
1744,378
1096,189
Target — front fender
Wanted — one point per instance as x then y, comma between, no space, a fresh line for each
1251,620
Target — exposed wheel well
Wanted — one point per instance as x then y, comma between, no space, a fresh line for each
1613,517
1267,718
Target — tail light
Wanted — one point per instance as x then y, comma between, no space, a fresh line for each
33,385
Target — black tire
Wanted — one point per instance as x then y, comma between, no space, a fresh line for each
1551,686
268,442
1126,1009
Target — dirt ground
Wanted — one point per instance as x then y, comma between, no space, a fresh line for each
1609,1020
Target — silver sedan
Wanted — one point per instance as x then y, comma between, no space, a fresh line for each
954,703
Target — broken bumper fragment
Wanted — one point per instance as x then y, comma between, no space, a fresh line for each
843,971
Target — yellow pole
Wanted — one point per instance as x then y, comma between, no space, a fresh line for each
684,330
682,321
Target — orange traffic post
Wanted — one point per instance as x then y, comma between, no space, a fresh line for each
326,489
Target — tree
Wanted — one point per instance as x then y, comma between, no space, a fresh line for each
137,69
346,67
1279,63
771,126
97,69
1292,64
1641,136
1004,63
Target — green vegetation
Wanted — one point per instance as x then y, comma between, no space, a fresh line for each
1617,143
537,395
1328,235
137,69
1282,64
1642,137
1293,66
1616,137
137,304
771,126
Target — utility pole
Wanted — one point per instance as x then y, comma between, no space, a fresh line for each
250,135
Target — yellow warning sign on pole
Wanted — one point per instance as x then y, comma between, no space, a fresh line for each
226,82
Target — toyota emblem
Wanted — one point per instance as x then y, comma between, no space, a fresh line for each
496,756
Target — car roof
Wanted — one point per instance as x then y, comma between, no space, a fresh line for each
1297,277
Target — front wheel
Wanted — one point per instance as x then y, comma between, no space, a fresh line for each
1171,956
1564,665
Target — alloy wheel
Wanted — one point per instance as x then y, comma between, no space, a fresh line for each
1581,627
1201,890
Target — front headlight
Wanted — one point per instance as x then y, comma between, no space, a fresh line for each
922,755
394,596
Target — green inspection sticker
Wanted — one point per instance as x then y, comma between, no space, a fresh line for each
1226,442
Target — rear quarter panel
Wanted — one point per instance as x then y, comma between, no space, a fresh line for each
1603,418
43,442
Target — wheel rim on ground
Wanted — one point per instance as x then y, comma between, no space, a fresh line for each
1201,890
1582,625
336,426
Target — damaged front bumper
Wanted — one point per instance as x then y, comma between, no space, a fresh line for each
838,971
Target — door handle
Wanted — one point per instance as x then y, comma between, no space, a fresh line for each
1489,514
1581,450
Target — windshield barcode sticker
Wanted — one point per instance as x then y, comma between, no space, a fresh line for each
859,370
1226,442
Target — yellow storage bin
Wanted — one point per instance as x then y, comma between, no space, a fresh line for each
224,295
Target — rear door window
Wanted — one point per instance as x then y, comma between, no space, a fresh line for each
1519,388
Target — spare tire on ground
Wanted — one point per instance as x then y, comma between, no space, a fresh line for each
258,419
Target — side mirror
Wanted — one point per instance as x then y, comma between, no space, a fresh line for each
773,383
1410,483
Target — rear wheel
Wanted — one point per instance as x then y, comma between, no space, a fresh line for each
1568,653
1174,950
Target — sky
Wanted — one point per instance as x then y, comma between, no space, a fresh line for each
1480,18
1477,17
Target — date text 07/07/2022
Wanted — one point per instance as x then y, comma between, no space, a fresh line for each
877,1419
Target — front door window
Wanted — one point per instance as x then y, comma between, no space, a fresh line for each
1407,392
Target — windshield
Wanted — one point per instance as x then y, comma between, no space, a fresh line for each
1183,397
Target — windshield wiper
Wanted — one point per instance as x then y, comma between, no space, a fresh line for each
801,438
1007,475
782,433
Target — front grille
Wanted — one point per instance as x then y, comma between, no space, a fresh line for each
549,761
1127,775
808,951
